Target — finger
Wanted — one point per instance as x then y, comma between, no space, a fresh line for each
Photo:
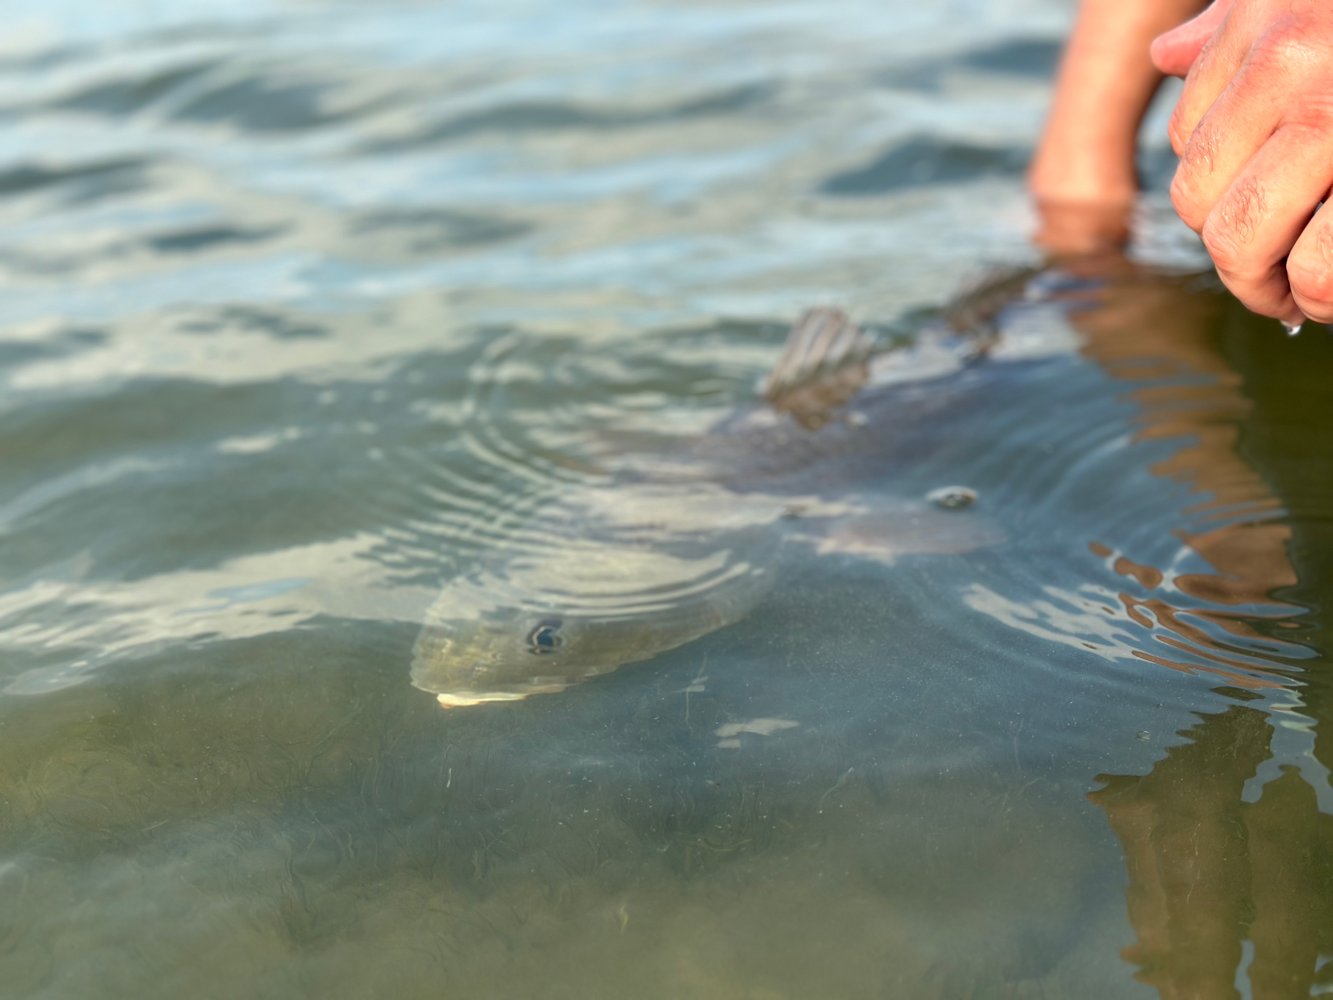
1259,218
1310,267
1237,125
1174,51
1210,74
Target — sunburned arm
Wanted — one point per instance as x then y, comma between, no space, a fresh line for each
1082,176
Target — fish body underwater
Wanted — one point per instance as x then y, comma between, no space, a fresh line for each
692,537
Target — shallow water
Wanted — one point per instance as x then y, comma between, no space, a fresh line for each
310,308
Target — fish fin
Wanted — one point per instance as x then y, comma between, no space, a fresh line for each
976,312
823,365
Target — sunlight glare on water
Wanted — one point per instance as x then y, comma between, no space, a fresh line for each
404,589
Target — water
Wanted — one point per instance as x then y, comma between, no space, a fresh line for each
310,308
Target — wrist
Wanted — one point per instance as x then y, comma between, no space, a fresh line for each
1084,164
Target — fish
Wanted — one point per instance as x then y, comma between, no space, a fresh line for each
692,538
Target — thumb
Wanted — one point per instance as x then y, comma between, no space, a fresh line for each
1174,51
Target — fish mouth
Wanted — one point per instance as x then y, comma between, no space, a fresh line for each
466,699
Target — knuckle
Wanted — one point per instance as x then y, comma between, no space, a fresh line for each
1307,123
1186,202
1233,223
1226,256
1283,50
1189,194
1310,271
1201,148
1265,294
1177,133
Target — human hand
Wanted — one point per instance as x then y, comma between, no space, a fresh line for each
1173,52
1254,131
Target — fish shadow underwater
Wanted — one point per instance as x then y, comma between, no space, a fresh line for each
691,537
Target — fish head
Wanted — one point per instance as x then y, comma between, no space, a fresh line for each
543,622
467,659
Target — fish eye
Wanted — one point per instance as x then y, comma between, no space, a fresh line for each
545,637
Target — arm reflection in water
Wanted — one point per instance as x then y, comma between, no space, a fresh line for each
1208,870
1209,865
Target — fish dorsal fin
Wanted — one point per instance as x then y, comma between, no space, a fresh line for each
976,311
823,365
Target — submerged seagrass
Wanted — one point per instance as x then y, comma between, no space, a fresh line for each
691,537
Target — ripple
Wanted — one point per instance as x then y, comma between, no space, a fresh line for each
79,182
1145,534
517,117
1020,56
262,102
118,96
428,230
204,238
924,161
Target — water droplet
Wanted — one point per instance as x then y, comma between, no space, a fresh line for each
1292,328
952,497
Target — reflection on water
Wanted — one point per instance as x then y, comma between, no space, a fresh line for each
1227,839
1218,861
1203,596
316,314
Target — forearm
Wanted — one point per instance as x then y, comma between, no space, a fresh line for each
1105,84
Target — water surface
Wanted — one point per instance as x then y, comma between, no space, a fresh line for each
309,307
